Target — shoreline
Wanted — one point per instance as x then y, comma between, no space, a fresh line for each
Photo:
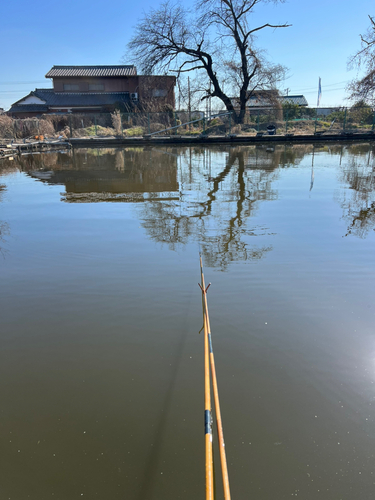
232,139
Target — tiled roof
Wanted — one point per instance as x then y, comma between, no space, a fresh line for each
267,99
294,99
80,98
69,99
28,108
128,70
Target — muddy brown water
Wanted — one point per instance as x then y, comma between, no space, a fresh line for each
101,361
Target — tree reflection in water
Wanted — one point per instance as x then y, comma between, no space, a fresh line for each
216,200
200,195
358,202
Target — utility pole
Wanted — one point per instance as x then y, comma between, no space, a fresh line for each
210,101
189,103
179,93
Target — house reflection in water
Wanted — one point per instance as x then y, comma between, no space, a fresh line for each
129,174
206,195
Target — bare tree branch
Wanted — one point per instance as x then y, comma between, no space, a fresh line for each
171,38
363,89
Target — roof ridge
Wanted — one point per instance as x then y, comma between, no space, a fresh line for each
94,66
93,71
91,93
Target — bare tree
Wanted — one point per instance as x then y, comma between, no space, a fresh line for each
363,89
217,38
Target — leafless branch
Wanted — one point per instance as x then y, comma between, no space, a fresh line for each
171,38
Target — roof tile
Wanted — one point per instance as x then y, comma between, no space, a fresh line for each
70,99
92,71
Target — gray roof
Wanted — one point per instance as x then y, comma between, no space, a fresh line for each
69,99
80,98
294,99
267,99
63,71
28,108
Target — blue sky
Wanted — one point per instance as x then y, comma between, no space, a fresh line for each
36,35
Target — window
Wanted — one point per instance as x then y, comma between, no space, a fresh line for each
71,86
159,92
96,86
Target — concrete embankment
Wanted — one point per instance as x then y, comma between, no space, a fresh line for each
231,139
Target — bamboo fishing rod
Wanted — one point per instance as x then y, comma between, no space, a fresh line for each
207,402
219,423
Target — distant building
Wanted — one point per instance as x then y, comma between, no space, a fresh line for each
325,111
95,89
267,99
299,100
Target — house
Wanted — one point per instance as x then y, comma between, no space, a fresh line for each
297,100
96,89
262,100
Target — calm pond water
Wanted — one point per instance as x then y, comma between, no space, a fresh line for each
101,360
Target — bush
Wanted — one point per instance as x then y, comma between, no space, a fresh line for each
59,122
134,131
6,127
46,128
156,127
236,129
215,122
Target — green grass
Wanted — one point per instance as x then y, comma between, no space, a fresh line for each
134,131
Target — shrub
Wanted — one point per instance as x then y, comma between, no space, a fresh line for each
156,127
6,126
215,122
46,128
116,121
134,131
236,129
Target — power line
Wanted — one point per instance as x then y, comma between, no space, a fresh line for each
324,91
12,91
22,83
323,86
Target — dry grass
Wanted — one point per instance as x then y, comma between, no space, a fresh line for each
138,124
23,129
6,127
116,122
